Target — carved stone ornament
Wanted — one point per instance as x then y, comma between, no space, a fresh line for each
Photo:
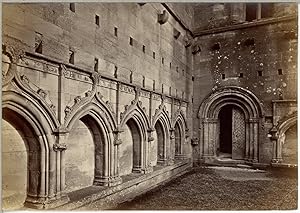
163,17
58,147
176,33
188,40
195,141
42,93
117,141
150,138
195,49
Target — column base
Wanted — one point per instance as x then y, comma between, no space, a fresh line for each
180,157
146,170
46,203
107,181
276,160
162,162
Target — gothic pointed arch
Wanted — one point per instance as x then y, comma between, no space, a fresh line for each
138,111
29,109
99,117
91,102
162,113
162,124
15,83
135,116
36,133
180,117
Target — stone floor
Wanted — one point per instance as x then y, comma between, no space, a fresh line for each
222,188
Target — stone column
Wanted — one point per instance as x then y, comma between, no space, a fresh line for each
59,148
255,148
237,12
148,167
212,136
115,178
247,136
171,157
110,177
251,142
276,145
205,137
258,11
279,143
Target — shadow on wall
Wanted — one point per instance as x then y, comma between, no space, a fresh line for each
80,158
125,152
289,149
14,170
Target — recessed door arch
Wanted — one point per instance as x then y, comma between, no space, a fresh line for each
208,113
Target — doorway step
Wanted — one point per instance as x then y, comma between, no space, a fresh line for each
229,162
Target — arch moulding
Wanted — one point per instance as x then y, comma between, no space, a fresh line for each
208,117
278,136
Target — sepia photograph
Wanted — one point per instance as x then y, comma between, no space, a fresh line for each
149,105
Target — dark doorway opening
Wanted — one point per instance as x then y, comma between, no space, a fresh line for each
225,117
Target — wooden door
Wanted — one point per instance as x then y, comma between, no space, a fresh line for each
238,134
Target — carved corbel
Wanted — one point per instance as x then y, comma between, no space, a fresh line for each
58,147
187,133
172,133
195,49
273,133
150,137
195,141
188,41
163,17
176,33
117,140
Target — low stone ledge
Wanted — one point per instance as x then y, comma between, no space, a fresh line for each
130,188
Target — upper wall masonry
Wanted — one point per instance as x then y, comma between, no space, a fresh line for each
210,16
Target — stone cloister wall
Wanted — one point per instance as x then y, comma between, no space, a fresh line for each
90,124
258,56
93,92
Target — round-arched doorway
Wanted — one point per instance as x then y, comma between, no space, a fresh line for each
230,119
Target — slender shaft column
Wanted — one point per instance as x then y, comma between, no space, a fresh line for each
251,132
148,167
247,140
279,147
201,141
172,146
255,148
206,138
52,174
212,136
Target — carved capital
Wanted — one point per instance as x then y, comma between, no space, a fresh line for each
195,141
195,49
253,120
58,147
176,33
151,130
150,138
117,141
